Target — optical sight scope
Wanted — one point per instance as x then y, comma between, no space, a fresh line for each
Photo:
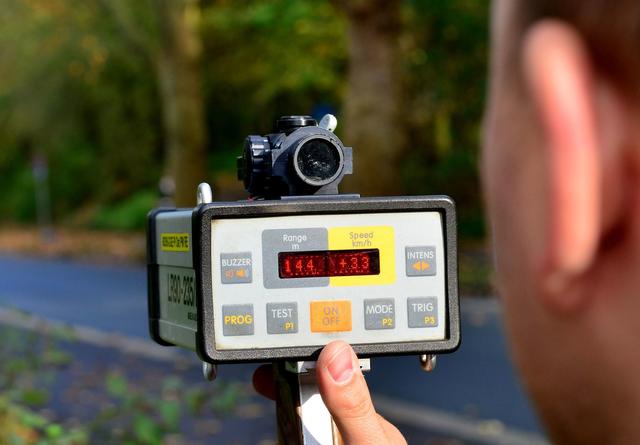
300,158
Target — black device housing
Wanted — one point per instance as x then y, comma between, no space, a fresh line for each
202,217
268,169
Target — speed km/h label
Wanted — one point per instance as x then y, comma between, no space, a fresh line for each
362,237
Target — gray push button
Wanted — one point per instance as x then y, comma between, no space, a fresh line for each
379,314
282,318
422,312
235,267
421,261
237,319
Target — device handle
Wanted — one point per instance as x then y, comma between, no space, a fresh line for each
302,415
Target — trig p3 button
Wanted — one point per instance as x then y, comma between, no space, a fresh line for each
422,312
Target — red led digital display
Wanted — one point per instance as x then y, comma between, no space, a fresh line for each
329,263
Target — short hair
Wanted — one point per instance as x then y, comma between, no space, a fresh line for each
611,29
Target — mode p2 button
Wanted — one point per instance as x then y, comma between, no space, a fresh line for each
331,316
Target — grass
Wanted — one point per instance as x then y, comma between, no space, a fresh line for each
116,399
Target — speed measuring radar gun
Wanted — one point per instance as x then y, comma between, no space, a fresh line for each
298,265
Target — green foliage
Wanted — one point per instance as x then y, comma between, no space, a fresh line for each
445,62
20,426
73,92
26,368
271,58
79,88
128,214
124,409
116,385
34,397
227,398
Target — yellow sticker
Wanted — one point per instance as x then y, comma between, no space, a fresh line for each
175,242
362,237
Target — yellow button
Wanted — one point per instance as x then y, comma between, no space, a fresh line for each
330,316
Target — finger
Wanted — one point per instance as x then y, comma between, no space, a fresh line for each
263,382
346,395
393,434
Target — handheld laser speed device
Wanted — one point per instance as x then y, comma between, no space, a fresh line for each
279,276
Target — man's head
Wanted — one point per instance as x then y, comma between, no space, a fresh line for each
561,173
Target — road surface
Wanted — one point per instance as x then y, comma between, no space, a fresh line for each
473,388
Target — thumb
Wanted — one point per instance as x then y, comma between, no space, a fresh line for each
346,395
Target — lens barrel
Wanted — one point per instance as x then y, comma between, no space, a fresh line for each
317,161
300,158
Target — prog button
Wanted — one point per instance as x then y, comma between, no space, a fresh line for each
237,319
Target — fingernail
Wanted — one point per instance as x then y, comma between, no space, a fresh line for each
341,366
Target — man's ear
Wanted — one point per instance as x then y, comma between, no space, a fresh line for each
559,76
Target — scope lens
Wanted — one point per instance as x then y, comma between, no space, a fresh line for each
318,161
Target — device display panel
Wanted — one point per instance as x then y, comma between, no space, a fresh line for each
328,263
291,281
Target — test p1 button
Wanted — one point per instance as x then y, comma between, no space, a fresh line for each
282,318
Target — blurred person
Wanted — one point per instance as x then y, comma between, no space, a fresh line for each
561,171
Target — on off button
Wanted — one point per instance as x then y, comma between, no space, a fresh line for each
331,316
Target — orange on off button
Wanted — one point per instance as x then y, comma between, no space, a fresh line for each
330,316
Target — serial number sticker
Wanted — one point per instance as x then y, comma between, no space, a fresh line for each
175,242
181,289
178,303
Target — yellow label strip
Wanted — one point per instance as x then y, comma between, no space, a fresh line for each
366,237
175,242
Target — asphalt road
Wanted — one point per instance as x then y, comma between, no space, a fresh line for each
474,387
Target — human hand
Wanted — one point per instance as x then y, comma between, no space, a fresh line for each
346,395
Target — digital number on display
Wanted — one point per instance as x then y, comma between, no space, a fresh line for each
329,263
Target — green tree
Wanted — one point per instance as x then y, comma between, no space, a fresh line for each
178,67
373,100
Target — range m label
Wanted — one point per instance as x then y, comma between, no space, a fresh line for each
175,242
294,240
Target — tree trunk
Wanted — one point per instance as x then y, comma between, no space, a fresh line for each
178,66
373,98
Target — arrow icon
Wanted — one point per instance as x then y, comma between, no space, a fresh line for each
421,265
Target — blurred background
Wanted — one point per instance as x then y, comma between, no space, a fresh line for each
109,106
